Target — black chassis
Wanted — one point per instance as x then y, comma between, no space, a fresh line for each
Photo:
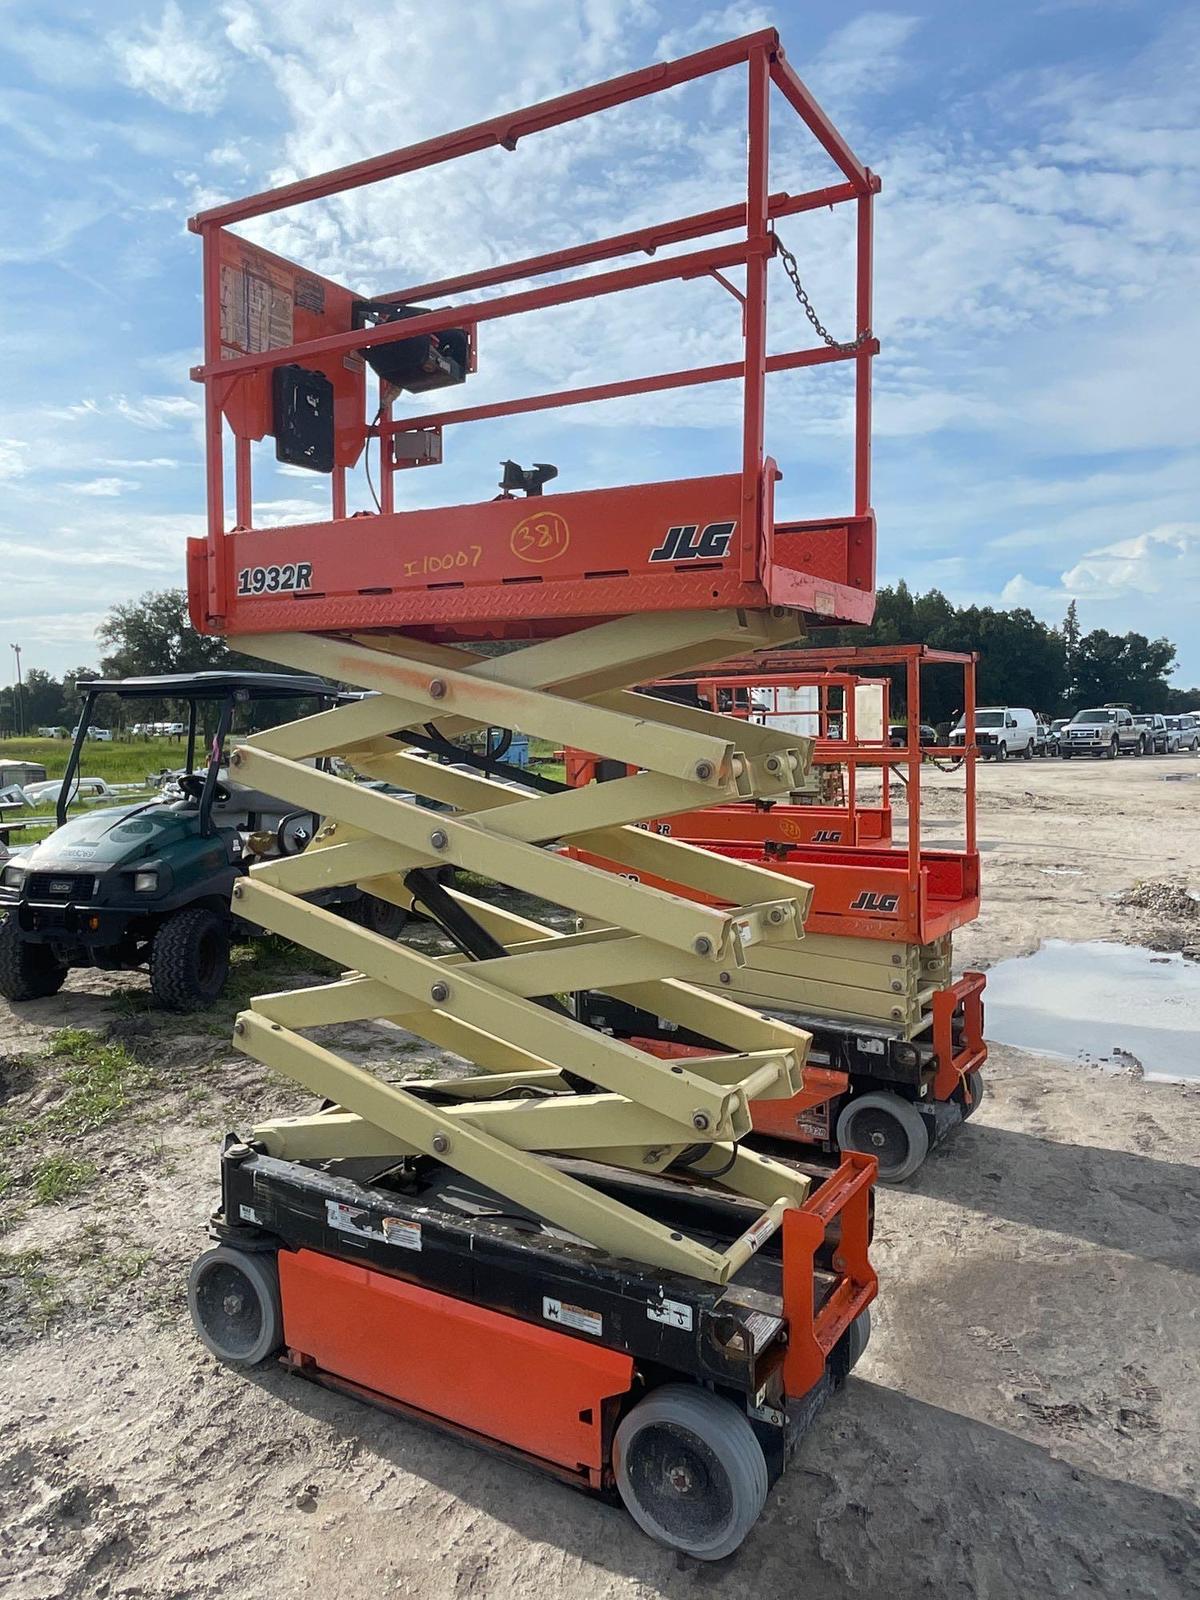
506,1263
873,1057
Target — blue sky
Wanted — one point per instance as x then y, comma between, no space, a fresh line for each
1037,295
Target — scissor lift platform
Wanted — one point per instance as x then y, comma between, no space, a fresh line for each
612,587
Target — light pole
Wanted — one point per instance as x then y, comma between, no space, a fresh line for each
18,707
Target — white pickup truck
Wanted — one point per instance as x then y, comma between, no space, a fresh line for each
1103,731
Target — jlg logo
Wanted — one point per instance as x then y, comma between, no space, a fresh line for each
689,542
827,836
867,901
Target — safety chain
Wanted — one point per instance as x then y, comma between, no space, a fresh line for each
793,271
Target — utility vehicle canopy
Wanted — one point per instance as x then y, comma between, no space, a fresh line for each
213,686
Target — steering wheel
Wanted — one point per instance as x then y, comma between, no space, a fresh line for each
191,784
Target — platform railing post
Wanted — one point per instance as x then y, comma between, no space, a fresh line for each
758,243
213,455
862,361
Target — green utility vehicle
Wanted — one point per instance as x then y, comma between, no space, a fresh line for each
148,883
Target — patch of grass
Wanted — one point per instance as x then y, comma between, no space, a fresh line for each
121,761
59,1176
40,1286
102,1080
115,1271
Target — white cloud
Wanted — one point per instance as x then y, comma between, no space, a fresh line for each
867,51
1147,584
104,488
154,412
174,62
13,462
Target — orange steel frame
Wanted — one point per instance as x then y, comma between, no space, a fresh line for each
910,895
526,568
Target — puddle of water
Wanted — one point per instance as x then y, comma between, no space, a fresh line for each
1100,1003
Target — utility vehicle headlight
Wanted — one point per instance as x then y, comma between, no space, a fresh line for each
14,875
145,882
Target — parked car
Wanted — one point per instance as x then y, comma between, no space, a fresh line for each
898,734
1000,732
1154,727
1189,731
1054,735
1102,731
1042,737
81,789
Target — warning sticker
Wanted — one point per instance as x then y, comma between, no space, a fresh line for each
673,1312
398,1231
351,1219
256,313
577,1317
248,1214
310,293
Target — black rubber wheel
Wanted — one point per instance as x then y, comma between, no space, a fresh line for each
886,1127
690,1471
189,959
27,971
1111,754
376,915
1002,751
1029,751
233,1296
975,1090
857,1337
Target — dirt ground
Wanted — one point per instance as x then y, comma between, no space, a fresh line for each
1026,1421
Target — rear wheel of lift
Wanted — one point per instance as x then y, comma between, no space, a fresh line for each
888,1128
975,1090
690,1470
233,1296
27,971
189,959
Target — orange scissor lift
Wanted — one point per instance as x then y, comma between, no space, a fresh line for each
872,980
566,1252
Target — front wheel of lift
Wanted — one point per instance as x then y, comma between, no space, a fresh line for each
975,1090
690,1470
233,1296
855,1341
888,1128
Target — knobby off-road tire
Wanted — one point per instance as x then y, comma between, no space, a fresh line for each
376,915
189,960
27,971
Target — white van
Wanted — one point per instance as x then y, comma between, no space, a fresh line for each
1000,732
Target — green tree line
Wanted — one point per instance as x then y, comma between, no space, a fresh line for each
1023,661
